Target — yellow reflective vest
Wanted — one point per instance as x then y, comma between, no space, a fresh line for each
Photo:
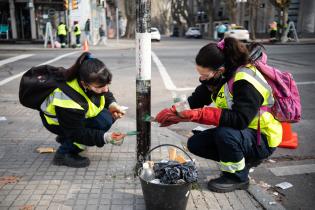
268,124
61,30
60,99
77,30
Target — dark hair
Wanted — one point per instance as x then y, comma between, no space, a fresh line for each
89,69
233,55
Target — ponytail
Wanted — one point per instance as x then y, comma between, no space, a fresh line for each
73,71
235,54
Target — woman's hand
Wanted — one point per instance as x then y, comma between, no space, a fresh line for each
114,138
116,110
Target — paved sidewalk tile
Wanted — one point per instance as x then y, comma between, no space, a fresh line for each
108,183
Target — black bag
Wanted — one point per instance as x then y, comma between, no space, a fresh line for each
40,81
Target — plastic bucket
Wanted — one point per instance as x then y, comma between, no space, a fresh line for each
165,196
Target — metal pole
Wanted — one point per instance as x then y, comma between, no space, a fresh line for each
69,23
105,23
117,24
143,80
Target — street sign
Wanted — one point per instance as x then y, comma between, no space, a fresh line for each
51,12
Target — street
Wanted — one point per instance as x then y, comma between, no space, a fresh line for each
173,72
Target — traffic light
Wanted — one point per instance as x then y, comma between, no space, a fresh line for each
65,4
74,4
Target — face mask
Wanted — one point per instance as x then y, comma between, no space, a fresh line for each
213,82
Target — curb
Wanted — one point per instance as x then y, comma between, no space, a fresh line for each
262,197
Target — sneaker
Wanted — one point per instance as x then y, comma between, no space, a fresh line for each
226,184
71,160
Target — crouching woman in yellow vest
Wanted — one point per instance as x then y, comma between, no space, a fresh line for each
78,126
244,133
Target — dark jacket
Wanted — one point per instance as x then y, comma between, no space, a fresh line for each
71,123
246,103
87,26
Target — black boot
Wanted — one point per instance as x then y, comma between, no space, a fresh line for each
226,184
71,160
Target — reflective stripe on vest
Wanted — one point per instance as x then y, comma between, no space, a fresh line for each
232,167
60,99
268,125
78,32
61,30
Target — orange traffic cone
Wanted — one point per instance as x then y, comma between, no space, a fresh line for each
85,46
289,138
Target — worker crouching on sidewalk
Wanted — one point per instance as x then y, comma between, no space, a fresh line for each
78,127
236,142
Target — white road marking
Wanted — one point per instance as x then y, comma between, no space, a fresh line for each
293,170
306,83
2,82
169,85
16,58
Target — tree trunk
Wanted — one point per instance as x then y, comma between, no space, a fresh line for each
253,17
130,6
232,7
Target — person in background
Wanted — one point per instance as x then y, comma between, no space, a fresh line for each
78,126
77,33
87,29
62,34
245,132
221,30
103,38
273,28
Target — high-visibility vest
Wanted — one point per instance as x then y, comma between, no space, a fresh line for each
77,27
268,124
61,30
60,99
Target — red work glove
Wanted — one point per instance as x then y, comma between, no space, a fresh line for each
206,115
168,117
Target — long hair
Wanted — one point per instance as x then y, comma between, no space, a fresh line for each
89,70
233,55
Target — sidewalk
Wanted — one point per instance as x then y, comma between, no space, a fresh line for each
128,44
111,44
108,183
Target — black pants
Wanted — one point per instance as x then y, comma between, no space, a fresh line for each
230,145
77,38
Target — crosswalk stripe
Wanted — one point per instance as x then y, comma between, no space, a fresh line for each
293,170
15,58
2,82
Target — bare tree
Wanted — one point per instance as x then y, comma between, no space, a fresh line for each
182,13
232,7
130,8
283,7
253,6
161,18
210,15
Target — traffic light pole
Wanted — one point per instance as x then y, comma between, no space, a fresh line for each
69,25
143,80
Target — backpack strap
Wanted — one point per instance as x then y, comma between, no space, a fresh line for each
74,95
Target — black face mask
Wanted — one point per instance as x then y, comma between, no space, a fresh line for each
213,82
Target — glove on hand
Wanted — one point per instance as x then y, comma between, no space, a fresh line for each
168,117
116,110
114,138
206,115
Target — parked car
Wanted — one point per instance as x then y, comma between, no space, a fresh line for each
238,32
193,32
155,34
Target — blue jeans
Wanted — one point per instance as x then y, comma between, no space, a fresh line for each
103,121
230,145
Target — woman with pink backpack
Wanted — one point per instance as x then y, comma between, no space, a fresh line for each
245,132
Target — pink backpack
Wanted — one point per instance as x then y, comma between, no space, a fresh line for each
287,105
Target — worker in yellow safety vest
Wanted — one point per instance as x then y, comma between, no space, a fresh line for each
77,33
62,34
79,124
245,133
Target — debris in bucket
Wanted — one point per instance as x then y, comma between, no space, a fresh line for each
173,172
147,172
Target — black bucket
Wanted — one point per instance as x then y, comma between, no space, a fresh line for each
165,196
